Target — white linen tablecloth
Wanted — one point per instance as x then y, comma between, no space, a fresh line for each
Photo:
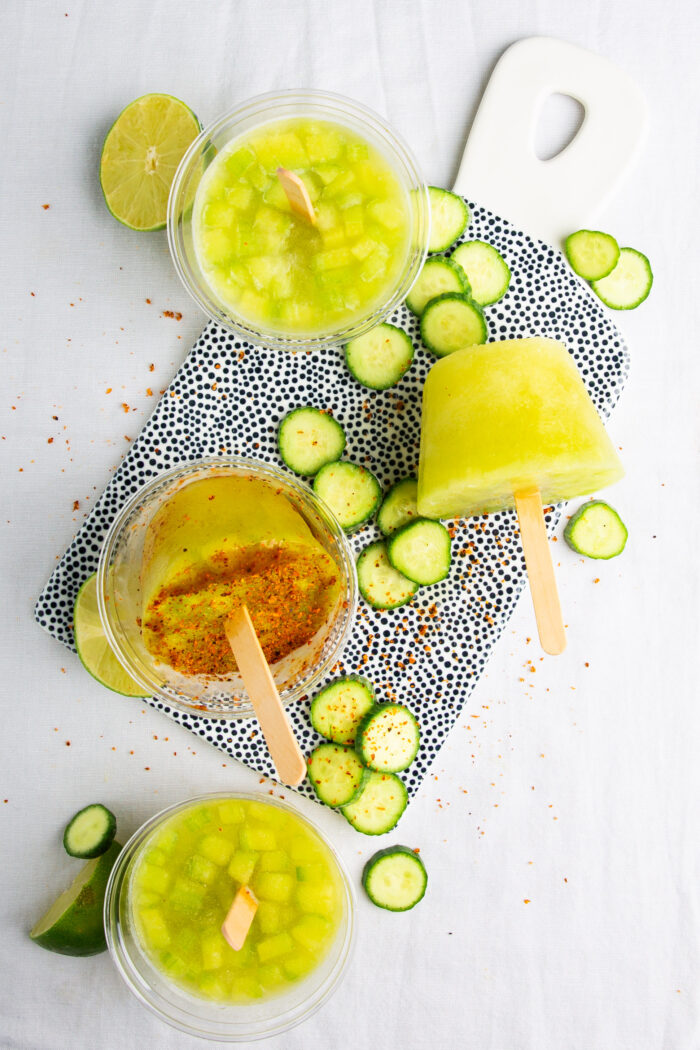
559,825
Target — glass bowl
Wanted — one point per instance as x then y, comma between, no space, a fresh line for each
272,107
204,1017
120,603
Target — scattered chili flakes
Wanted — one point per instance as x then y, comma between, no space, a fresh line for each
108,390
526,900
148,301
49,441
174,314
67,743
76,504
151,367
125,407
46,207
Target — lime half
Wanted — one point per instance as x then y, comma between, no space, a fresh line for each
73,924
140,157
93,648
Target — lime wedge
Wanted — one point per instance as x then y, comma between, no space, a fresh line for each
140,157
93,648
73,924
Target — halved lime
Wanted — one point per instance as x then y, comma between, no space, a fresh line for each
93,648
140,157
73,924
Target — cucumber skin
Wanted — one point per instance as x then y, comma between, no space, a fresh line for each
364,682
284,455
405,528
347,353
443,246
571,528
440,298
358,791
366,722
365,595
390,851
637,302
568,253
357,523
105,841
391,827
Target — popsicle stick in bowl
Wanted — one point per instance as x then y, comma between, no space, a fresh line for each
297,195
265,698
540,571
239,917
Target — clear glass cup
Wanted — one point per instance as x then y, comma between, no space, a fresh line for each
120,603
273,107
202,1017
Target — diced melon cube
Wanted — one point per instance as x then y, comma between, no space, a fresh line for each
298,965
243,240
253,838
311,932
225,892
271,273
246,986
273,947
151,877
299,315
253,305
187,897
335,237
239,161
187,947
351,200
242,865
332,259
323,144
354,222
172,964
361,249
214,986
154,927
231,812
212,945
327,172
310,872
148,899
218,247
318,898
276,197
216,848
358,151
372,179
313,184
219,213
271,976
269,917
201,869
199,818
266,814
374,266
387,214
274,860
304,850
240,196
327,216
167,840
157,856
258,177
274,886
243,959
340,185
282,149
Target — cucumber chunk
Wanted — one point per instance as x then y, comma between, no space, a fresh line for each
380,357
421,551
336,774
395,878
308,439
90,832
487,272
596,531
381,585
629,283
592,253
352,492
337,710
439,275
388,738
451,322
378,807
449,216
399,506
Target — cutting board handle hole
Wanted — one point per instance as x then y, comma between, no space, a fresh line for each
557,124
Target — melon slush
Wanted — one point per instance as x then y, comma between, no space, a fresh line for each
222,542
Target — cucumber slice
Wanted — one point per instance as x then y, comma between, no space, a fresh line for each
439,275
308,439
449,216
90,832
378,807
352,492
451,322
380,357
421,551
388,738
336,774
379,582
486,269
337,710
596,531
591,253
629,283
399,506
395,878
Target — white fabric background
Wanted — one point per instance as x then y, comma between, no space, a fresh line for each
572,782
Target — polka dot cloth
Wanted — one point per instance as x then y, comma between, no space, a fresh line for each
228,397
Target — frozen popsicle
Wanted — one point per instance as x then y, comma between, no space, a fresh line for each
506,425
224,542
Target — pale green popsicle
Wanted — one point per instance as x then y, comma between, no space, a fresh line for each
504,418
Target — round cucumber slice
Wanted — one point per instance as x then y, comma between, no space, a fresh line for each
90,832
352,492
399,506
378,807
388,738
629,283
140,156
421,550
439,275
487,271
395,878
337,710
592,253
449,217
380,357
336,774
596,531
93,648
308,439
450,322
381,585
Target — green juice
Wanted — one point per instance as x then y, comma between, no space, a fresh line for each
187,875
273,268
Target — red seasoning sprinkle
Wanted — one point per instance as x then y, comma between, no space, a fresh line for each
46,207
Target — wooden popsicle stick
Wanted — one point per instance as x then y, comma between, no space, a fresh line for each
239,917
538,560
297,195
260,686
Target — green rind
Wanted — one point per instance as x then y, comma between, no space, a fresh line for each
160,225
321,699
381,855
101,845
440,243
430,343
355,349
350,524
363,733
394,543
328,422
602,291
386,510
354,816
571,530
432,261
411,587
76,639
81,933
572,253
333,750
